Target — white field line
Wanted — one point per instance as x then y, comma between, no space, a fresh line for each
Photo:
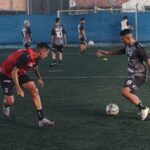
6,54
85,77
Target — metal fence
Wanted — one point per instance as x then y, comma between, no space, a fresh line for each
46,6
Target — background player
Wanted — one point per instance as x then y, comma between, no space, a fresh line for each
136,68
14,73
58,41
27,34
125,24
82,36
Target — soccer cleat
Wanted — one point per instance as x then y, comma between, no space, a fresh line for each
6,111
144,113
53,64
46,123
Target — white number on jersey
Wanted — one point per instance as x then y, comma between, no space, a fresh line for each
59,34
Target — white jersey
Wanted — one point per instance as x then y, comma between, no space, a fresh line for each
124,24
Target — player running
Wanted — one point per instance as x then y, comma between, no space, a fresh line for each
136,69
82,36
14,72
125,24
58,41
27,34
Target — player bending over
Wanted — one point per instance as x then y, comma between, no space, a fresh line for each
137,71
82,36
58,41
14,72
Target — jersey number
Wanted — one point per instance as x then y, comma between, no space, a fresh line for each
59,34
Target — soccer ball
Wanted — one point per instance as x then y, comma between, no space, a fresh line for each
91,43
112,109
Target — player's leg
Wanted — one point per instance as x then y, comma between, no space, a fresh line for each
7,87
54,49
128,91
60,53
7,103
83,46
30,86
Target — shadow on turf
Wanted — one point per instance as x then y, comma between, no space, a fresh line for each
14,122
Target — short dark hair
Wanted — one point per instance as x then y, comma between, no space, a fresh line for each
125,32
57,20
41,46
125,17
82,19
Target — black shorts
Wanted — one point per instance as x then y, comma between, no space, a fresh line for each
59,48
82,41
134,83
27,45
7,84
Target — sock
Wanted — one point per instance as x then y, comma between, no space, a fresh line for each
54,60
141,106
40,114
6,105
82,52
60,61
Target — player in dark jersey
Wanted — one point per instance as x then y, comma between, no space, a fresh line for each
82,36
14,72
27,34
58,41
137,71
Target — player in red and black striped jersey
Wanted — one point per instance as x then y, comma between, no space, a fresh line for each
14,72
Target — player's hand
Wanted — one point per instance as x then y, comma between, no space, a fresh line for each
101,53
40,82
65,45
85,42
20,92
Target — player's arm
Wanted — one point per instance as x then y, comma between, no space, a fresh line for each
84,34
30,33
52,36
82,30
38,75
143,55
104,53
129,26
22,61
16,81
65,37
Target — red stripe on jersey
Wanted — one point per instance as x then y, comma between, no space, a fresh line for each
8,65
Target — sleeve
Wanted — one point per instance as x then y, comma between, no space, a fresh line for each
64,31
81,27
23,60
29,31
142,53
123,50
53,32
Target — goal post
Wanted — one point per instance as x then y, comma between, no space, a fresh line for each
74,12
103,25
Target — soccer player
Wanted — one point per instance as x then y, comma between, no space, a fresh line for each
125,24
137,71
82,36
27,34
14,72
58,41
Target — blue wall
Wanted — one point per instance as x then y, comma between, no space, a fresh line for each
100,27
